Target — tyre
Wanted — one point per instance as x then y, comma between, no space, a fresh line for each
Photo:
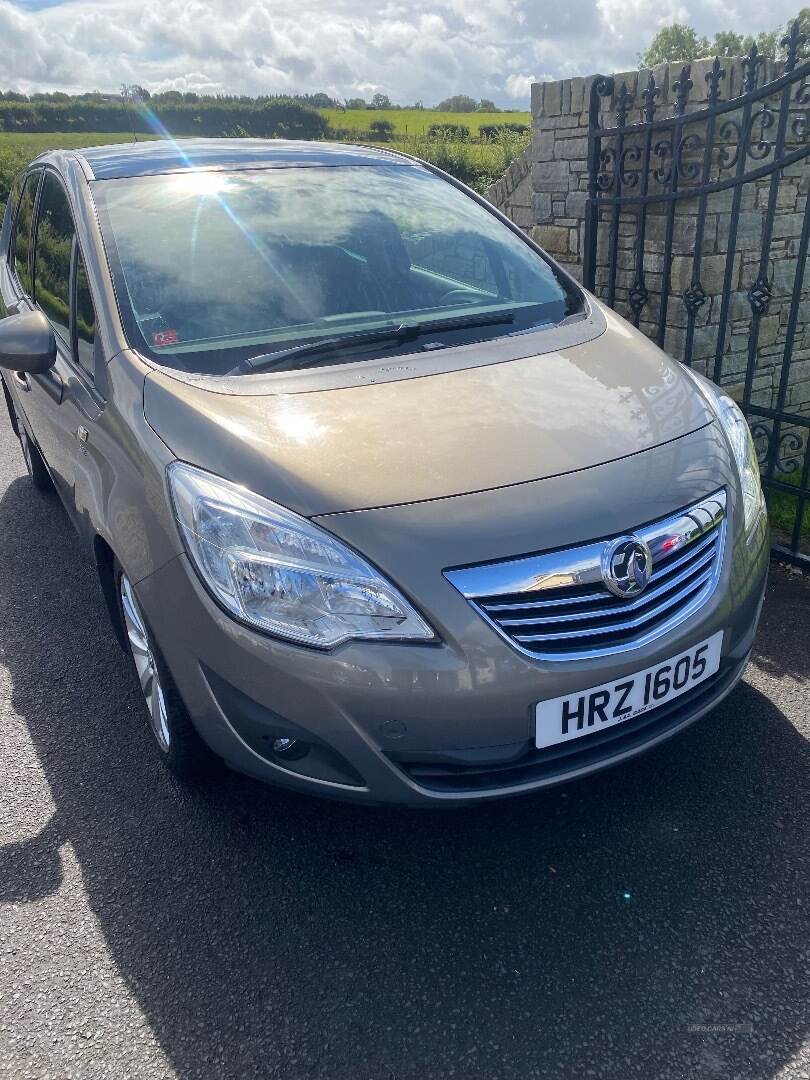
34,462
173,733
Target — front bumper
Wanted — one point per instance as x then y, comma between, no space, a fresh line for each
447,722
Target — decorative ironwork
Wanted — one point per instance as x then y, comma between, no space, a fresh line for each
663,151
624,102
649,93
688,170
713,78
629,178
759,296
762,436
606,175
792,42
761,148
787,450
726,160
694,297
751,65
638,296
700,147
682,87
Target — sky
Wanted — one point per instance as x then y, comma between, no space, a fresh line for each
418,50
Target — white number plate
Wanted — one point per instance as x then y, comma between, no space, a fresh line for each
612,703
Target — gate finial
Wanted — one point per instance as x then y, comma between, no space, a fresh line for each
624,99
650,93
792,42
682,87
713,78
751,65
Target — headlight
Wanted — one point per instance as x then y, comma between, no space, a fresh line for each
739,436
279,572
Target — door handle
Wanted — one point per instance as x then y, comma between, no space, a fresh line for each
21,381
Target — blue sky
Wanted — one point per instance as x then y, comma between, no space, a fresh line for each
409,49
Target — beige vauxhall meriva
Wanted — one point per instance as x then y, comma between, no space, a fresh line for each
383,505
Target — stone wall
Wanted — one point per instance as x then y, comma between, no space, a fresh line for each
512,194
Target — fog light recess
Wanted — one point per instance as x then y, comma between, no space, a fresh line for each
290,749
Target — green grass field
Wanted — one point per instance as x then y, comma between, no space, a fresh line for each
410,122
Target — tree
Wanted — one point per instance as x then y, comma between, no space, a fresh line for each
767,43
682,43
287,120
675,43
381,130
356,103
804,25
131,92
485,105
320,101
458,103
728,43
381,101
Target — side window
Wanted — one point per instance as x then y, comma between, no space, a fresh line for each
84,324
11,208
23,228
54,243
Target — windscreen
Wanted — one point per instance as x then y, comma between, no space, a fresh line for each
215,268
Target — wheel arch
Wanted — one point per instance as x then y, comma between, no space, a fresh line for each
12,415
104,559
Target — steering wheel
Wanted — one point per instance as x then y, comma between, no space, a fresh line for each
463,296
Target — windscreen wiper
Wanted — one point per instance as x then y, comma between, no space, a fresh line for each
393,334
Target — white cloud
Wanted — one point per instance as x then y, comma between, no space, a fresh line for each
518,86
409,49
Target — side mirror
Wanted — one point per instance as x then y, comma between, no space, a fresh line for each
27,343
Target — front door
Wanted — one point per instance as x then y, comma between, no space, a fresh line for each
62,404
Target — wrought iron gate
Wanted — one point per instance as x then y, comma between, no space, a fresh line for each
697,227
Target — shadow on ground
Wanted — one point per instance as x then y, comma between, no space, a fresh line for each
266,934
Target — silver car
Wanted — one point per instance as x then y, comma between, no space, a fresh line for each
383,505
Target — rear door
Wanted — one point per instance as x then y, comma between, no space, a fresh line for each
62,404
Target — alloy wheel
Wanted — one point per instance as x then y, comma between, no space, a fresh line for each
144,658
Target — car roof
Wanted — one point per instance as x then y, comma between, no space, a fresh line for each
169,155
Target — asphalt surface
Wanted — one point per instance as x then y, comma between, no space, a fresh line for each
147,930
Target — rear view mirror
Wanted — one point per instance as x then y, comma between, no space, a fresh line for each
27,343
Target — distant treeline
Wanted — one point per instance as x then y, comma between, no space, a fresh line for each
135,109
214,116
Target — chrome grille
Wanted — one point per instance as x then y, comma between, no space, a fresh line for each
556,606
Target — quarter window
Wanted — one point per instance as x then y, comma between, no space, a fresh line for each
22,233
54,243
84,320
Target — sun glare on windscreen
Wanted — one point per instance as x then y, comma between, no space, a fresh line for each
201,182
